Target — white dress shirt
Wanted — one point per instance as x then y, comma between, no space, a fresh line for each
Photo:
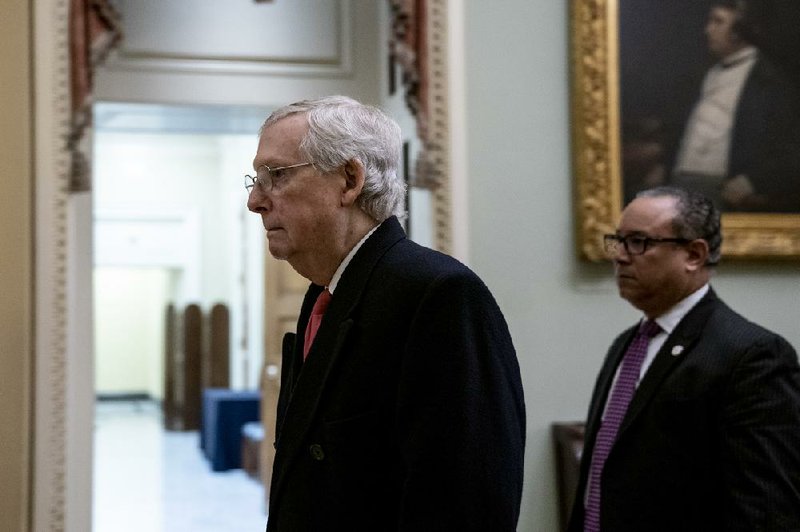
706,141
343,265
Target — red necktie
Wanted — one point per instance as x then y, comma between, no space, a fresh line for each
616,409
315,319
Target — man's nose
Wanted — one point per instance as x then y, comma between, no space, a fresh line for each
257,200
621,254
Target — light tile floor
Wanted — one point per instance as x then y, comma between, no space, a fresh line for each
150,480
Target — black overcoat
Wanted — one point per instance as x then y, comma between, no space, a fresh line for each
408,413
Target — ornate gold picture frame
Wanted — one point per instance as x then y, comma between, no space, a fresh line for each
596,147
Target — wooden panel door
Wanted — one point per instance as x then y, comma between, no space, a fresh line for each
285,289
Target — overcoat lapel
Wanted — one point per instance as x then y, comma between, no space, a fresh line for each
311,377
680,342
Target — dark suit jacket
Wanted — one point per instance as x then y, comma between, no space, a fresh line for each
408,413
711,440
765,140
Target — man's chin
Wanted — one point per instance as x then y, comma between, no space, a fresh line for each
278,252
626,292
277,245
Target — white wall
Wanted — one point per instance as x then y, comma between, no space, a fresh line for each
170,226
562,313
129,332
144,181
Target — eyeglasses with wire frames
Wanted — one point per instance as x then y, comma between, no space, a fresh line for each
271,179
635,244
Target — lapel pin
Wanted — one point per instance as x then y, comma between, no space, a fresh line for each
677,350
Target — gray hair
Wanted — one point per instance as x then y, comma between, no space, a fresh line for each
340,130
697,218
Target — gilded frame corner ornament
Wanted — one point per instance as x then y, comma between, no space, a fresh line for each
594,37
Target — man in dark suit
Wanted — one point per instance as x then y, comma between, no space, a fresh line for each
741,142
401,407
694,426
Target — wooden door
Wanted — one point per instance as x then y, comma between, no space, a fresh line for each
285,289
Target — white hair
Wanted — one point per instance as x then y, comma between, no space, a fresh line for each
340,130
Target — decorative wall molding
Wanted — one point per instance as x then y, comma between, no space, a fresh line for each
595,129
338,63
52,165
439,123
418,44
94,29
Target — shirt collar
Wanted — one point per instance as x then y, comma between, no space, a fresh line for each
744,55
340,270
669,320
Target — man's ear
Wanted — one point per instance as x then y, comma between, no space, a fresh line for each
354,176
697,257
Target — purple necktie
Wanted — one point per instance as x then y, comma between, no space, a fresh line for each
617,406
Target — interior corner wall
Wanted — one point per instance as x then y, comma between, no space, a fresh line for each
16,230
563,313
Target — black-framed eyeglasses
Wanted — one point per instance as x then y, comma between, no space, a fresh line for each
270,178
635,244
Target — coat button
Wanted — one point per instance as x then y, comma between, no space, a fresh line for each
316,452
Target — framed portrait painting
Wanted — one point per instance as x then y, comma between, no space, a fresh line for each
699,94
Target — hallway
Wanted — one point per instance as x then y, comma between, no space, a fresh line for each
146,479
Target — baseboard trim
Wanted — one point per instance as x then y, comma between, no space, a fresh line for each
123,396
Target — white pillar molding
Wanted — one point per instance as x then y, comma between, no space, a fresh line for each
457,149
51,124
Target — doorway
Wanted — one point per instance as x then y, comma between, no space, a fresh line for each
170,226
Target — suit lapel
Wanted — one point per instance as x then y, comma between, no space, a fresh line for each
604,382
677,347
311,377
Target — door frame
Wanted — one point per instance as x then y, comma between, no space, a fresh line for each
61,490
